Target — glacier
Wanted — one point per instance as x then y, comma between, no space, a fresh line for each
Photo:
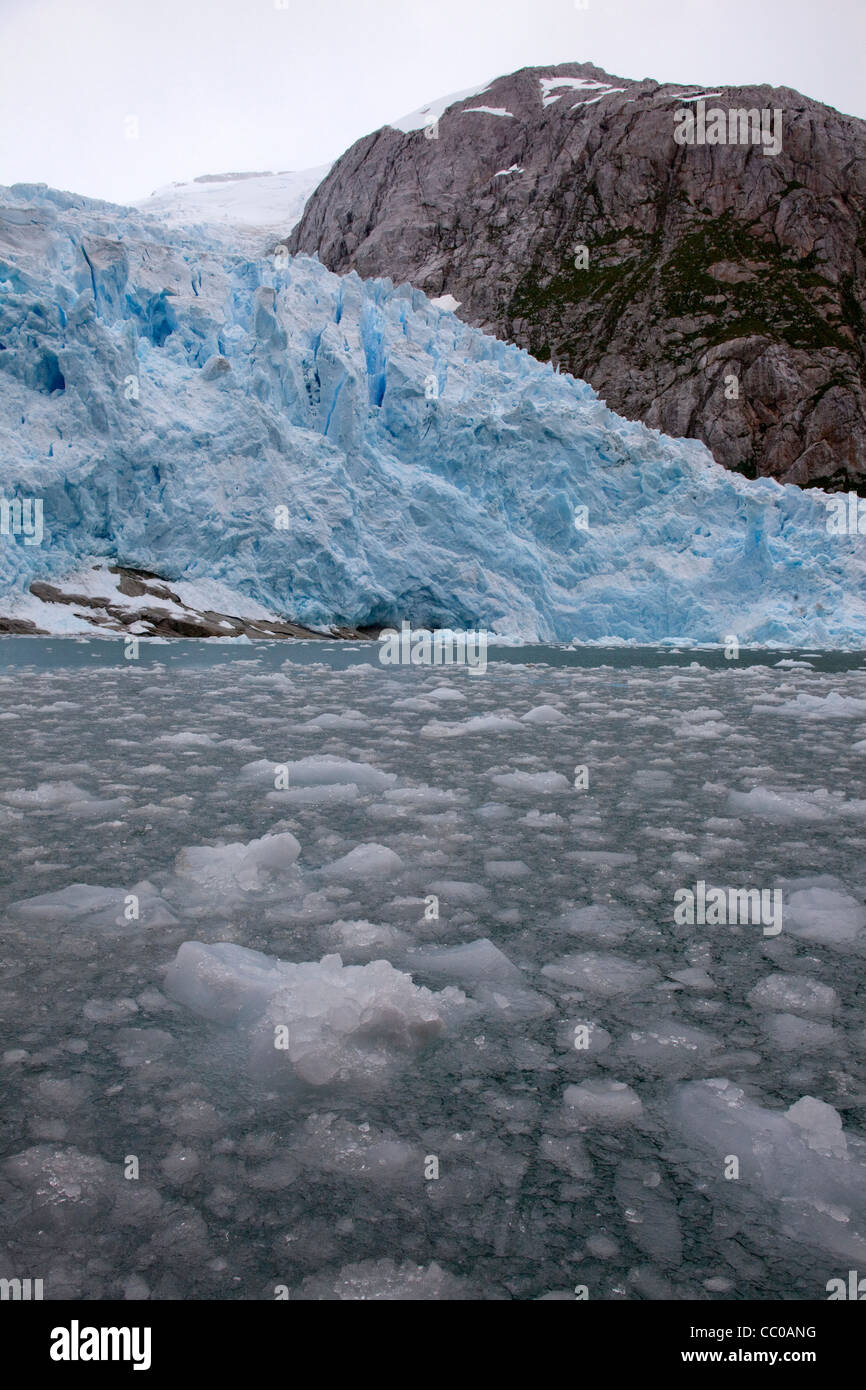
256,210
345,452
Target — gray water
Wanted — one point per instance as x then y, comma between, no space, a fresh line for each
261,1172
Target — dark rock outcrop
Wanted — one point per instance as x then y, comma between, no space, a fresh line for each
705,262
151,619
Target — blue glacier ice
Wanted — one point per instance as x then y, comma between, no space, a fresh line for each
164,395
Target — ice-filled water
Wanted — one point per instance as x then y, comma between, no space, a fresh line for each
380,997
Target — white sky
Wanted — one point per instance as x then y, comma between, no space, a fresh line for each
220,85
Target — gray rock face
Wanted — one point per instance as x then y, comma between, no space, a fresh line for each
706,262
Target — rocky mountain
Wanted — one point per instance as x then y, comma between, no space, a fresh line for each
721,291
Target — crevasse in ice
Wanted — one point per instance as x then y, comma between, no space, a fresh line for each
164,395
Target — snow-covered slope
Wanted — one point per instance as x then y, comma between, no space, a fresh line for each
426,116
343,452
258,208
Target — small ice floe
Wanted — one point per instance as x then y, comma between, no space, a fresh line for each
601,1103
533,783
238,867
316,772
364,862
485,973
384,1280
601,973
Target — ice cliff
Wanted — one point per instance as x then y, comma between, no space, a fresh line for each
339,451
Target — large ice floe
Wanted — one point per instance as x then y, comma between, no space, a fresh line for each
800,1160
289,444
330,1021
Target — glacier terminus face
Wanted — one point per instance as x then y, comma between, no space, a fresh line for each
341,452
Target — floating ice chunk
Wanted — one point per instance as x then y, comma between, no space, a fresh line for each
455,891
802,1161
602,1247
179,1240
539,820
66,1188
601,973
188,739
181,1164
825,915
582,1036
478,724
224,982
670,1049
487,974
275,1175
66,797
383,1279
106,909
693,977
248,867
795,1034
821,1125
568,1153
109,1010
96,809
363,938
544,714
771,806
138,1047
332,794
349,722
533,783
720,1285
608,923
702,723
611,859
334,1145
193,1117
424,798
831,706
601,1103
475,962
652,780
794,994
62,1094
320,772
506,868
364,861
327,1021
652,1220
70,904
46,795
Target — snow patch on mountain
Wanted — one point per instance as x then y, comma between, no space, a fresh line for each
554,88
427,115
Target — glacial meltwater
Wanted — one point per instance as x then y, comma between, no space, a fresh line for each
326,979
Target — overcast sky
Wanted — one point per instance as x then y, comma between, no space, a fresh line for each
221,85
